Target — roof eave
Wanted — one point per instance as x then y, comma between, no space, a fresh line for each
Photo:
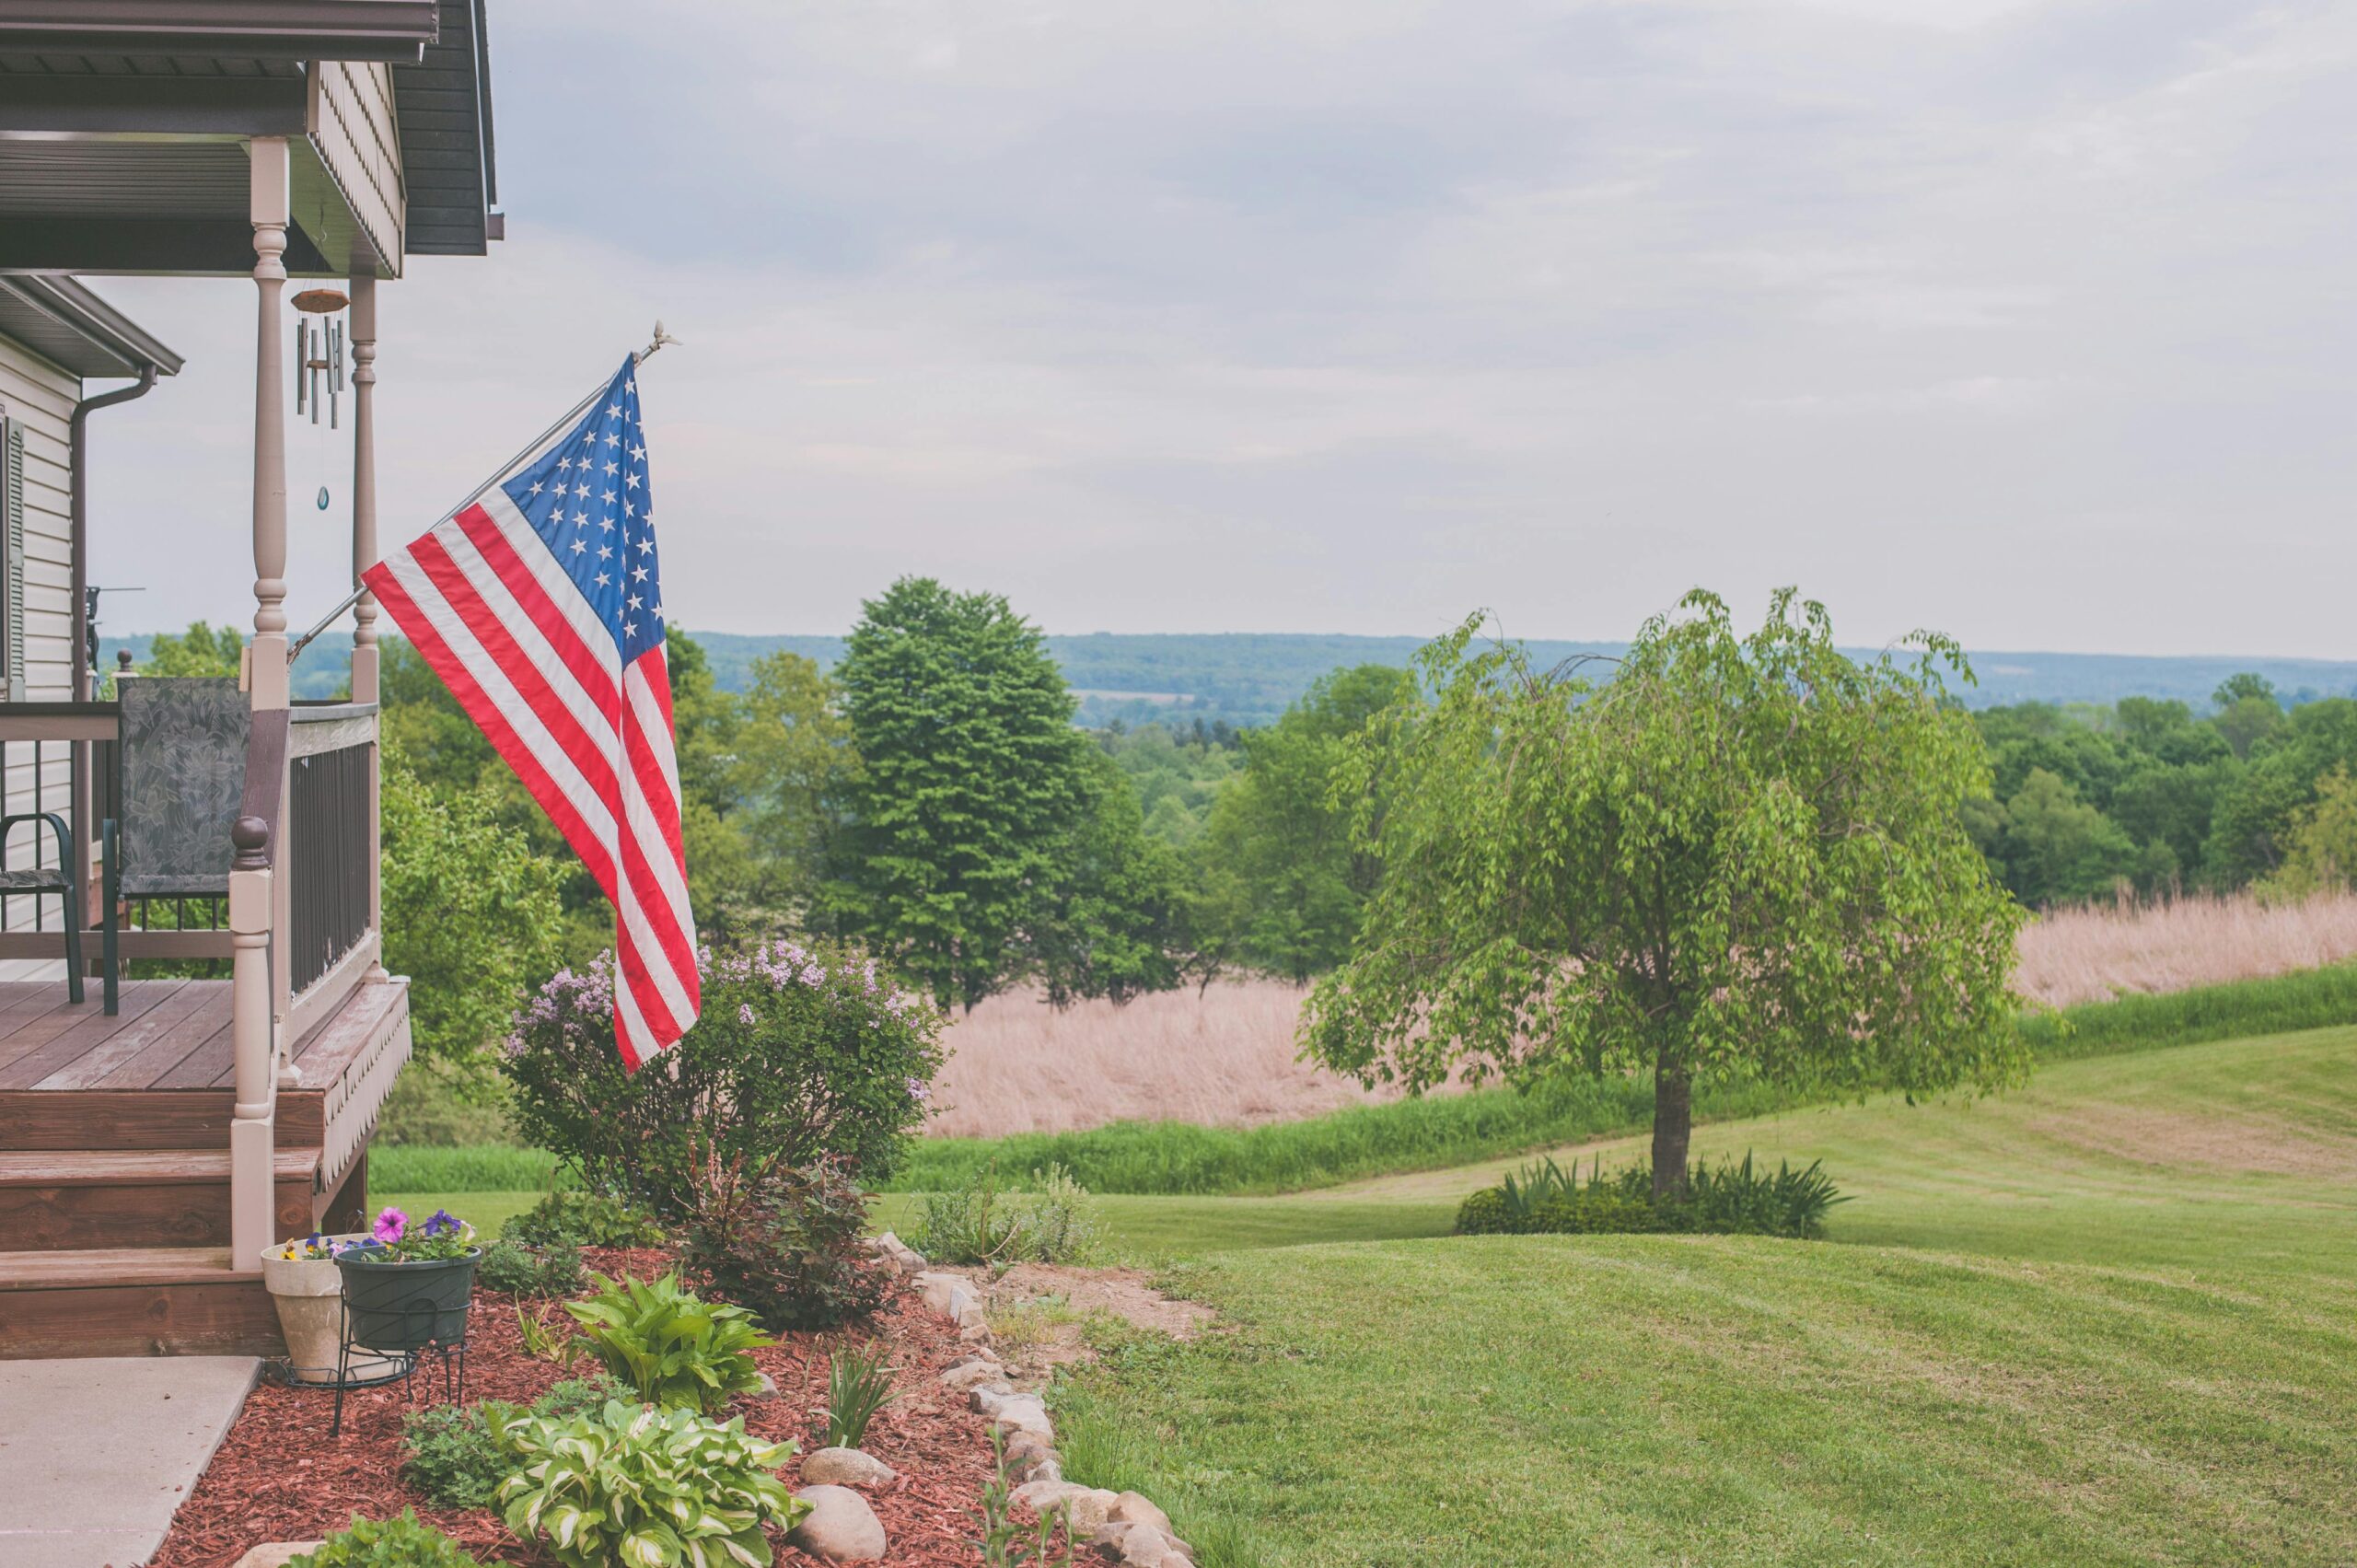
394,30
129,346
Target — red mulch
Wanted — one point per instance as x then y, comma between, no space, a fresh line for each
278,1476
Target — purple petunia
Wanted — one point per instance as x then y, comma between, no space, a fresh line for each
390,1225
440,1222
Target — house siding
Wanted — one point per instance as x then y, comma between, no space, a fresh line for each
40,396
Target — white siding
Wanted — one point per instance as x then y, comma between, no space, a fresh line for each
41,397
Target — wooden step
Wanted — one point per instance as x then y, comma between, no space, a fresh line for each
91,1267
144,1119
74,1200
133,1301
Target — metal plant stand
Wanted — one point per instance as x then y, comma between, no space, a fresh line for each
431,1324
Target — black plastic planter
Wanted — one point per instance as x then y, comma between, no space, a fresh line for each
404,1307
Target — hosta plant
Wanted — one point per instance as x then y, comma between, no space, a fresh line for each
647,1489
677,1349
404,1542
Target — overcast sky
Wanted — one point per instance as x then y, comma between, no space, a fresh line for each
2031,323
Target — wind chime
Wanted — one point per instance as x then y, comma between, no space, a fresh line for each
319,371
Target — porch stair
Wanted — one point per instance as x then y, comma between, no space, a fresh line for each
114,1201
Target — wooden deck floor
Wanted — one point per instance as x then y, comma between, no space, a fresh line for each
169,1034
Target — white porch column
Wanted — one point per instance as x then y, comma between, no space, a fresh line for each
255,988
365,686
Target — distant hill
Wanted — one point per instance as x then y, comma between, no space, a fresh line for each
1248,678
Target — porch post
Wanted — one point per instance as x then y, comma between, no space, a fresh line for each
366,687
254,977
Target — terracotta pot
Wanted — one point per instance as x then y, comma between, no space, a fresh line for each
308,1293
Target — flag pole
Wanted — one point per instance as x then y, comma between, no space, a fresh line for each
638,357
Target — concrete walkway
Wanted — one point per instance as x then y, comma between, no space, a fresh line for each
96,1456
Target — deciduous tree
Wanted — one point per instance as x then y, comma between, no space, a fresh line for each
1736,857
970,776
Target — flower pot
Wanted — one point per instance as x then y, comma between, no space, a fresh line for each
401,1306
308,1293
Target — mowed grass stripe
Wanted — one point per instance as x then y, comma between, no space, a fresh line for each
1641,1401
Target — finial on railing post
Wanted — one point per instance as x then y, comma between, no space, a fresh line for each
250,837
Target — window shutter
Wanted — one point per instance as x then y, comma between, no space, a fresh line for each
13,448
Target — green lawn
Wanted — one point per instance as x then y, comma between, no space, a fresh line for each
2110,1319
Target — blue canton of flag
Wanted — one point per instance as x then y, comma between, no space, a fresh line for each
588,498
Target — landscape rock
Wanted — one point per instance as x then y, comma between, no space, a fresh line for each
1145,1546
840,1527
846,1467
276,1553
1089,1510
948,1295
1016,1413
975,1372
1087,1505
1136,1509
1048,1466
1040,1496
903,1258
765,1387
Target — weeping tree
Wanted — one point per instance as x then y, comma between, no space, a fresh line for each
1724,858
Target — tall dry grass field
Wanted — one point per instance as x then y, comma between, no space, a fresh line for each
1221,1059
2098,952
1226,1058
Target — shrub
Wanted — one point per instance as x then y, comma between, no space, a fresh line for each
1483,1213
800,1053
1592,1213
857,1386
1543,1199
576,1217
404,1542
553,1270
788,1248
678,1350
981,1223
456,1456
648,1488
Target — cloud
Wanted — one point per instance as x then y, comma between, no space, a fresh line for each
1352,315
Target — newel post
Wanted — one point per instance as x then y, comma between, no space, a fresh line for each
253,1050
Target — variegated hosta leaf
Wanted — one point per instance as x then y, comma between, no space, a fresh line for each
649,1489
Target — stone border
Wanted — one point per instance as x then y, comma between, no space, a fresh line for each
1137,1531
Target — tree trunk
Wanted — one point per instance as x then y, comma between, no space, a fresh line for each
1673,1125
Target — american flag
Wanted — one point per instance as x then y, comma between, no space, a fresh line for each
540,605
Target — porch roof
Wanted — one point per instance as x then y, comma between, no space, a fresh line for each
63,323
122,124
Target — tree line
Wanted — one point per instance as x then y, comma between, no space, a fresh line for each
931,797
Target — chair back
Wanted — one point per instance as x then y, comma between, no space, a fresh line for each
182,772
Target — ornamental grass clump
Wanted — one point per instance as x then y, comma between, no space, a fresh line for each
1543,1199
646,1488
802,1052
676,1349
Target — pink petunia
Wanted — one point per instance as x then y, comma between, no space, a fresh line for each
390,1225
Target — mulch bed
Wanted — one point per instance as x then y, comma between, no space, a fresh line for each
278,1476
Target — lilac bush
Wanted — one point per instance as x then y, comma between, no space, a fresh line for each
803,1052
